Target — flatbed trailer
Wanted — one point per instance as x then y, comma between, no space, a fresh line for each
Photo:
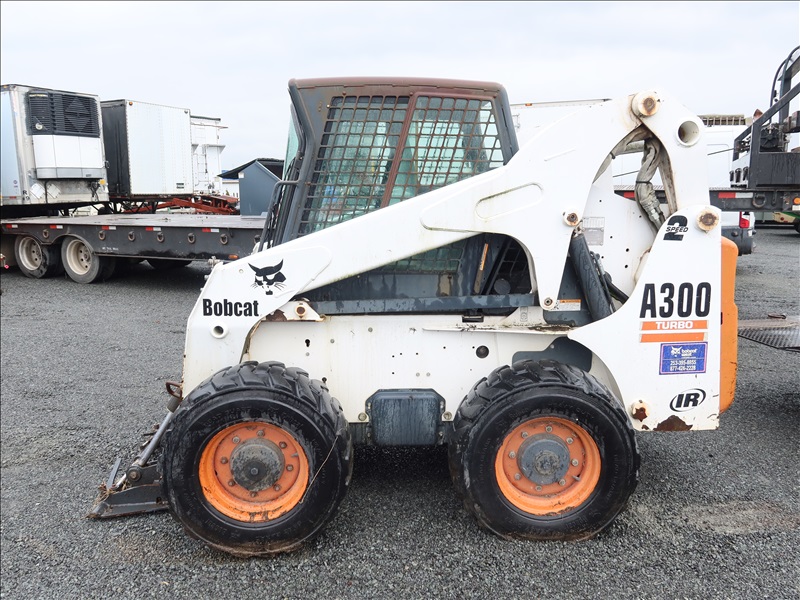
89,248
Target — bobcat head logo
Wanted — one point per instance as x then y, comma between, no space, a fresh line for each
269,277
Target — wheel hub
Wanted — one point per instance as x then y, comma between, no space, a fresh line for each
547,465
257,464
544,459
253,471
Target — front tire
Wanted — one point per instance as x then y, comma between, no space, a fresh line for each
542,450
257,460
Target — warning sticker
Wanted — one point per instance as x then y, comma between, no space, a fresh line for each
567,305
683,358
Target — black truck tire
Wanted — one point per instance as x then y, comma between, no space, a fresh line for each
542,450
257,459
36,260
82,265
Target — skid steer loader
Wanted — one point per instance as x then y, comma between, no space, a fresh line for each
421,280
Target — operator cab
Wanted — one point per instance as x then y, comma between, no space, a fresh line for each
358,145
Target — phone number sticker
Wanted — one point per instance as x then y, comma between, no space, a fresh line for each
683,358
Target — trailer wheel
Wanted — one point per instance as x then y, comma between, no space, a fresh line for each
257,460
81,263
542,450
36,260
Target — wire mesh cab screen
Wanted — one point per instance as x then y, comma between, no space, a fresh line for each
379,150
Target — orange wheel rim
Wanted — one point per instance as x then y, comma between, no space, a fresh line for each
253,472
547,466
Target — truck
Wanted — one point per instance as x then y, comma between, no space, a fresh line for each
766,157
424,280
89,186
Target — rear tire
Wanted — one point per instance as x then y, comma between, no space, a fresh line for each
257,460
36,260
82,265
542,450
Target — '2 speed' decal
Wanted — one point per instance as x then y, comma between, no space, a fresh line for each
676,227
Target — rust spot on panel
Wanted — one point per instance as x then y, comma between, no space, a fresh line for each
673,424
276,316
640,410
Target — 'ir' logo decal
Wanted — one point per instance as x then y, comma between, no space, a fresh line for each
688,400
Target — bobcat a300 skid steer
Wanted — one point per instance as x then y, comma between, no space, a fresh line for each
421,280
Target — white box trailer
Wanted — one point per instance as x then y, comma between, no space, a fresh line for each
207,155
148,148
52,150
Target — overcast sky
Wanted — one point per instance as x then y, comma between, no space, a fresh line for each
232,60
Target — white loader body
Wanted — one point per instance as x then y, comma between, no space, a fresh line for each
659,352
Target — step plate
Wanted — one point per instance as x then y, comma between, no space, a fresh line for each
780,333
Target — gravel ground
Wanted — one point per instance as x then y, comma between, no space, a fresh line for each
716,514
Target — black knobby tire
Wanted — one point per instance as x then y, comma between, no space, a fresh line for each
539,401
253,396
37,260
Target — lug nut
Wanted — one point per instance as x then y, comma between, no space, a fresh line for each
548,429
223,460
538,488
277,488
524,434
570,440
289,468
235,439
231,483
574,462
512,454
562,482
253,494
282,445
517,476
260,434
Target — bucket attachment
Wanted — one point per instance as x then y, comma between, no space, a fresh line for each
138,490
126,497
